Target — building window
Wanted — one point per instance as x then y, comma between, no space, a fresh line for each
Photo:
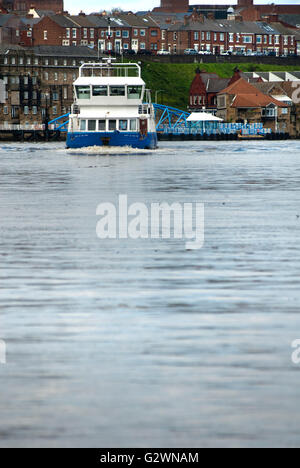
112,125
125,34
74,33
55,96
92,125
54,110
21,61
222,37
45,35
65,42
259,39
65,93
247,39
154,33
135,32
26,95
55,76
46,76
123,124
92,33
277,40
208,36
68,33
143,46
118,33
133,125
101,125
56,62
270,40
26,110
13,60
85,33
143,32
34,110
196,36
215,37
46,62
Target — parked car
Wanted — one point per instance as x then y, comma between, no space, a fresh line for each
272,53
145,52
204,52
129,52
239,53
190,52
227,52
163,52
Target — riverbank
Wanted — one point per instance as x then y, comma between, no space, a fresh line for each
173,80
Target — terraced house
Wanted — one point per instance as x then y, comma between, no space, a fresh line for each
218,36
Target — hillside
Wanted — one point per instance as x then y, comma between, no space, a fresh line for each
175,79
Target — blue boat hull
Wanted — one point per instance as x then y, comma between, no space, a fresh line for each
132,139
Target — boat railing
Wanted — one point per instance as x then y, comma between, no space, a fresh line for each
109,69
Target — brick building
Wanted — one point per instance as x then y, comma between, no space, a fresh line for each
39,81
24,5
200,33
244,102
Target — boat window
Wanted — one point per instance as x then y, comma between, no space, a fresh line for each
100,90
133,125
117,91
92,125
101,125
112,125
83,92
83,125
123,125
134,92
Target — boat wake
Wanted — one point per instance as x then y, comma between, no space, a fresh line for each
109,150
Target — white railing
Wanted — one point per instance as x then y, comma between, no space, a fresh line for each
14,127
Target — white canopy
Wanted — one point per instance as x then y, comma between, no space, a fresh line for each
203,117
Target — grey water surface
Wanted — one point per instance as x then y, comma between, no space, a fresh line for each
142,343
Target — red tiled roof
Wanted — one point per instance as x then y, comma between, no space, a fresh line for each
247,95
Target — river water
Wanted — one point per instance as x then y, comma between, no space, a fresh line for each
123,343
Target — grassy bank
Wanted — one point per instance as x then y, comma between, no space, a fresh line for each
175,79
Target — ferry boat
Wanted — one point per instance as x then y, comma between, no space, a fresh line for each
112,107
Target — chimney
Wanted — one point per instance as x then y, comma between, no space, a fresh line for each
273,18
239,18
81,13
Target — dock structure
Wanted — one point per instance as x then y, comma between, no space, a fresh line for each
171,125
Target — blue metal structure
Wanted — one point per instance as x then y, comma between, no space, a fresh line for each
165,116
59,123
171,117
